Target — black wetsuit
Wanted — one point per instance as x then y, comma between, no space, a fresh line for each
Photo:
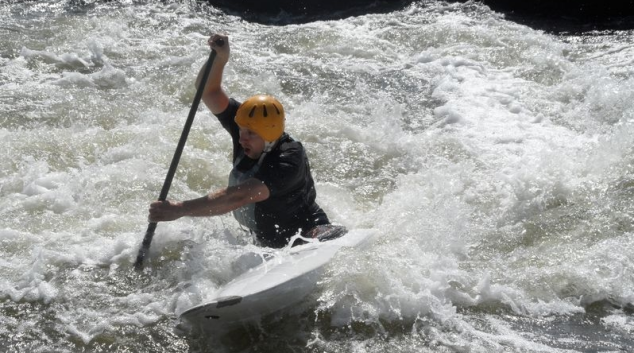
285,171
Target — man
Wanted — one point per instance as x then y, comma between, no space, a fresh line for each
271,190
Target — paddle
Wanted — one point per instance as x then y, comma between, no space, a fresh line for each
149,233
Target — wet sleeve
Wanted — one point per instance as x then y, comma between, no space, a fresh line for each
227,120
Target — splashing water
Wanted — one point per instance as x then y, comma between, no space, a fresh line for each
494,160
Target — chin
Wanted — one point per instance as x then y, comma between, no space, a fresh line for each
251,154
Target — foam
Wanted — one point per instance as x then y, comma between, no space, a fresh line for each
108,77
70,60
493,161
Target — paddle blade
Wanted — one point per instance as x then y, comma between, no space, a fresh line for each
145,246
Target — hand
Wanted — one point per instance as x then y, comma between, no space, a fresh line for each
220,43
164,211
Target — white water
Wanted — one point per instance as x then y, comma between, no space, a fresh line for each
494,159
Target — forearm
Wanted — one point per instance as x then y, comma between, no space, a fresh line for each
214,204
217,203
227,199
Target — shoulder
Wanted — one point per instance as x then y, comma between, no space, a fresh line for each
289,148
287,156
284,169
287,143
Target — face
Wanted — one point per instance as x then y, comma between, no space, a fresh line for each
251,142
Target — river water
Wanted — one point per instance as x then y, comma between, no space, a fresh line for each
495,161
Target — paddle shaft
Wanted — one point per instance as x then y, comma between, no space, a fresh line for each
149,233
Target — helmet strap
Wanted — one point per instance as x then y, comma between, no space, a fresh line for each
268,147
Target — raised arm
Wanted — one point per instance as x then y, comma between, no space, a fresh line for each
213,96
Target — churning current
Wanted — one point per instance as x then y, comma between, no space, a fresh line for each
494,160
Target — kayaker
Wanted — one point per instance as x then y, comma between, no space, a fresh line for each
271,190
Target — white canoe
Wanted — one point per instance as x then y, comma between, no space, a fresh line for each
275,284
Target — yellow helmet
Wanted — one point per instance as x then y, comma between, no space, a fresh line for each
263,115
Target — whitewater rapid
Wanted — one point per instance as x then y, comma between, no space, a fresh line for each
494,159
